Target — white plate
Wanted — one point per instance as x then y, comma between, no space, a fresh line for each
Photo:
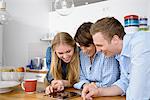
7,86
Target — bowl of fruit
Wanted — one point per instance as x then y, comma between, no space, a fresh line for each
12,73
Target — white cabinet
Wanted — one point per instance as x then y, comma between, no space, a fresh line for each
1,44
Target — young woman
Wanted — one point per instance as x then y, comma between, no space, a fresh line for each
64,69
95,68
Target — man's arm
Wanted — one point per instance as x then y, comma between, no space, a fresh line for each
109,91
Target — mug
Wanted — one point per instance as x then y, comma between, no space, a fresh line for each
29,85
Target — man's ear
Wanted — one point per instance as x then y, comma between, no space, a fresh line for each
115,39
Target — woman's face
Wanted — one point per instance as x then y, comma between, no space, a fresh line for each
64,52
90,51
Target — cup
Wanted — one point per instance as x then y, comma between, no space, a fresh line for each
29,85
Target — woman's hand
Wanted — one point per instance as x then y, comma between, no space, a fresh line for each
58,85
49,89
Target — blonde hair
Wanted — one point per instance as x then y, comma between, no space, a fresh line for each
73,66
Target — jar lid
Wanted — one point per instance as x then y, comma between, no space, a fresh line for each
131,17
143,18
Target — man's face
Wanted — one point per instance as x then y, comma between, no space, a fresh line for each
103,45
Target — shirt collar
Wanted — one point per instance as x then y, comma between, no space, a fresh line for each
126,45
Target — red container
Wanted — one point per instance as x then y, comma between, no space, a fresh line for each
131,17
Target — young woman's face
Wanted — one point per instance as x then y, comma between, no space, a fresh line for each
64,52
90,51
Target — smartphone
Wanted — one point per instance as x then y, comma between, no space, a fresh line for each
64,95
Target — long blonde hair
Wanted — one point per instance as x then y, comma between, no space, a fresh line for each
73,66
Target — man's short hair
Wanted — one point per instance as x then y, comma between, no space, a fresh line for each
108,26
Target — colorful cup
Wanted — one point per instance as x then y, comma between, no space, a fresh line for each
29,85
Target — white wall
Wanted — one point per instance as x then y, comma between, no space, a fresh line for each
1,43
148,12
92,12
29,21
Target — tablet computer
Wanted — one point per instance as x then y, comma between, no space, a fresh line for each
64,95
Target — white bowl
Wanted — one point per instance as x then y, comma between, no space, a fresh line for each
7,86
12,76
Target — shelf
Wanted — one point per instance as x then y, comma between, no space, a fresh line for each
46,40
36,71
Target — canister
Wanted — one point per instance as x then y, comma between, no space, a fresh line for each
131,23
143,24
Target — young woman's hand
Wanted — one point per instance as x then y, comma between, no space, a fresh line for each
49,89
58,85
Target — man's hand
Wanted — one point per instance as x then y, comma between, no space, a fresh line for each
89,91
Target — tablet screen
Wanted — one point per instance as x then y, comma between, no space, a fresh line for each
64,95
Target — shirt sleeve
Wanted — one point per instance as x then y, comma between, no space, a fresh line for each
48,57
49,77
82,81
122,82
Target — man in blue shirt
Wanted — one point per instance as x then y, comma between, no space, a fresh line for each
133,55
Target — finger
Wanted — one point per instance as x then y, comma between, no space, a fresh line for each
84,92
89,95
61,88
47,91
51,89
58,88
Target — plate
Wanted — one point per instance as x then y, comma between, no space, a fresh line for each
7,86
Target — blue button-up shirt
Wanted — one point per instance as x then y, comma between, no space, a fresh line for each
135,66
103,71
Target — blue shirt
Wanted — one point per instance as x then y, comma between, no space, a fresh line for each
103,71
135,66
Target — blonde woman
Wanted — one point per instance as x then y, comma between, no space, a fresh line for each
64,69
